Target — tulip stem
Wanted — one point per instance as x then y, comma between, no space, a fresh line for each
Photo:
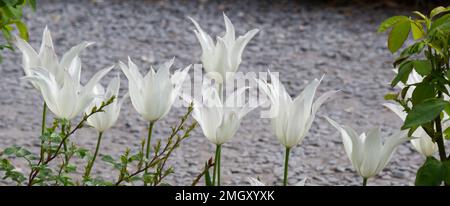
91,163
364,181
286,165
63,132
216,172
44,117
149,139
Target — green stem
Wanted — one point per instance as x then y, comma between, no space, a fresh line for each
286,165
44,116
364,181
63,132
218,165
149,139
216,158
91,163
216,169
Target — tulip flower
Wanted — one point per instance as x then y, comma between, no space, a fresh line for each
104,120
219,119
255,182
424,143
152,95
69,98
292,119
47,59
223,57
366,151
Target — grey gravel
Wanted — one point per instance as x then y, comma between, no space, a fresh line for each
300,40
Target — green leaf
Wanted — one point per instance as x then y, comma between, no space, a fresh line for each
430,174
32,4
424,112
403,73
208,181
417,30
420,15
23,31
437,11
447,133
446,171
423,67
388,23
441,20
398,35
390,96
108,159
10,150
422,92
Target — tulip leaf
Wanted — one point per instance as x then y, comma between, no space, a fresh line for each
430,173
424,112
398,35
208,181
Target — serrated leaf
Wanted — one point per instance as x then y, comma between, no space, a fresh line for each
398,35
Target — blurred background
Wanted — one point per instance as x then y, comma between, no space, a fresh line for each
301,40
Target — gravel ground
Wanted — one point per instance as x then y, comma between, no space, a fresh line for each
301,41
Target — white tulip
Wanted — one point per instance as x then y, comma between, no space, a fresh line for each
366,152
47,58
255,182
219,119
223,57
292,119
423,144
104,120
152,95
69,98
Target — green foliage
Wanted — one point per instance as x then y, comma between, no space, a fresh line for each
11,13
430,174
429,56
156,164
424,112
